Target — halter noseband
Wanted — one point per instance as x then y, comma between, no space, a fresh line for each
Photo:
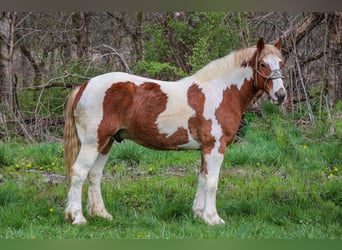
275,74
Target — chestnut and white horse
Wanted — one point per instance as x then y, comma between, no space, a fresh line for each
202,112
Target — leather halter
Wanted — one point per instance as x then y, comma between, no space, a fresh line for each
275,74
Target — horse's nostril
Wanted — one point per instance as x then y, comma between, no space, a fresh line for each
281,96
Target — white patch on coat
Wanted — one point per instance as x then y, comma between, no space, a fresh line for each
273,63
177,112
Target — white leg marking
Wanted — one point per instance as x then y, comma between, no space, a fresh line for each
199,202
205,200
95,201
80,169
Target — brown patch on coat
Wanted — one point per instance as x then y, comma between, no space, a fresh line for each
229,113
116,104
200,128
149,102
133,110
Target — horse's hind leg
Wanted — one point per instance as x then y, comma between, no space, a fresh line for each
95,201
84,162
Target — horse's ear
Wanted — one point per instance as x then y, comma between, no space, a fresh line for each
278,43
260,44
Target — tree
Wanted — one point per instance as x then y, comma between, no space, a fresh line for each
334,22
7,20
80,21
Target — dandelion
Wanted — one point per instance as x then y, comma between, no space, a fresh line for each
16,166
150,170
336,169
258,164
305,147
331,175
28,165
33,237
51,210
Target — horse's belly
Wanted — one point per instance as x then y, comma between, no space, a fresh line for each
177,141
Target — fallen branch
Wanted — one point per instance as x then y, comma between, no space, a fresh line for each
53,85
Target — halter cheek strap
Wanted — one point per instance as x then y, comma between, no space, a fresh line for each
275,74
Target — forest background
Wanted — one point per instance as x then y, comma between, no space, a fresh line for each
44,55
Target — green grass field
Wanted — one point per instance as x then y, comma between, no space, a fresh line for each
278,181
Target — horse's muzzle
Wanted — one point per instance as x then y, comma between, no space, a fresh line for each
281,95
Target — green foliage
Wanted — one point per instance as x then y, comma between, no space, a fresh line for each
128,152
5,158
269,108
276,182
337,119
162,71
213,38
190,43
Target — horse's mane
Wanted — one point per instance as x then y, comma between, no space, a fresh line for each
223,66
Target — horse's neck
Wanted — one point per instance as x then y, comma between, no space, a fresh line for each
247,94
241,94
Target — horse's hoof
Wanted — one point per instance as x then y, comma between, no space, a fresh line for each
79,221
213,220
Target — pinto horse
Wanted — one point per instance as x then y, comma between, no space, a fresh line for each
202,112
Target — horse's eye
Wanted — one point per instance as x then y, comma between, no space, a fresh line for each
263,65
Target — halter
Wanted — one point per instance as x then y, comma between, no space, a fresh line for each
275,74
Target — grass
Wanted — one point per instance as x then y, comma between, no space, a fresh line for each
278,181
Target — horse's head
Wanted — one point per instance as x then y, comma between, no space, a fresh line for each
267,71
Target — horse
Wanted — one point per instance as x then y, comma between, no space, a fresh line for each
198,112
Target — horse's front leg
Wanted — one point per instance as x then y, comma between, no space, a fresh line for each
205,200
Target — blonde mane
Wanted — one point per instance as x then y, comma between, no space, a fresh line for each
223,66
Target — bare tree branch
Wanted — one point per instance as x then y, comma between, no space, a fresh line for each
122,59
299,32
311,116
51,83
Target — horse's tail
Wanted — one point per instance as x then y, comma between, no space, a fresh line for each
71,140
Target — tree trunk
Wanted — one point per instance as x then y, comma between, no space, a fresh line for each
6,59
335,32
80,21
